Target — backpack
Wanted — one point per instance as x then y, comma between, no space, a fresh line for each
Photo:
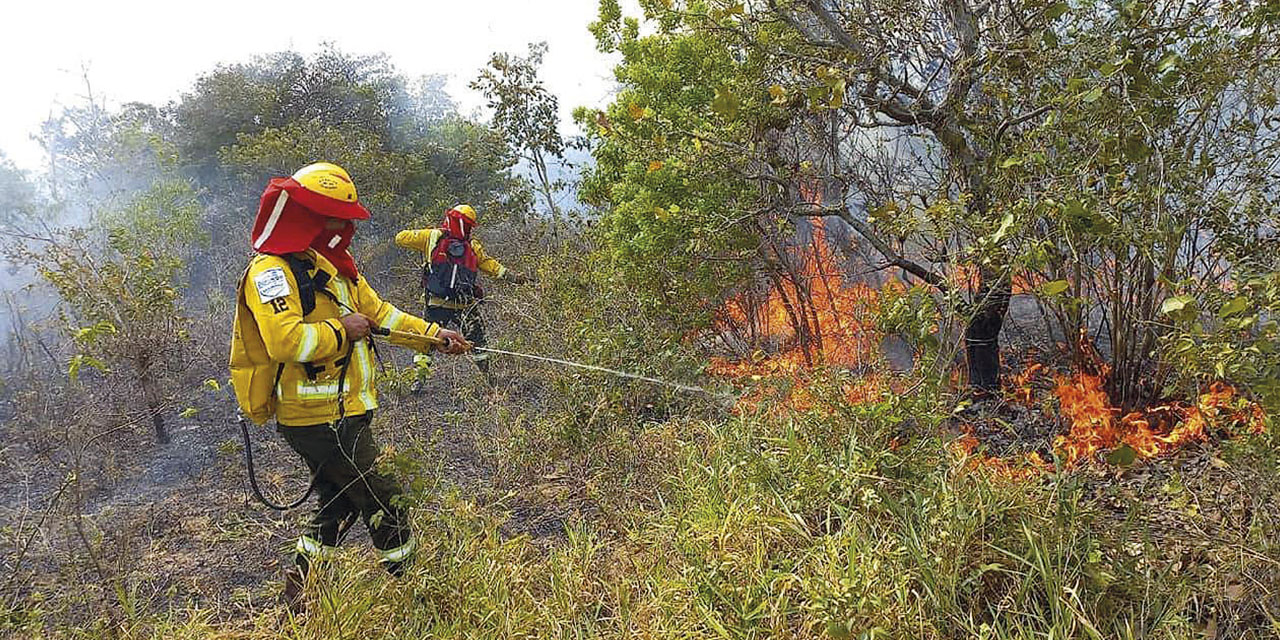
451,272
254,375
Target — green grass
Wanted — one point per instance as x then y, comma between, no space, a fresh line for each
805,526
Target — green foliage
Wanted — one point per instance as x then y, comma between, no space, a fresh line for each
1101,155
912,314
332,89
19,204
845,521
411,154
808,526
127,286
1235,338
673,228
1148,179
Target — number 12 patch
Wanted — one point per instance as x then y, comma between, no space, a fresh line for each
279,304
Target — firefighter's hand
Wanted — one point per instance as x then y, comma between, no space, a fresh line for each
356,326
454,343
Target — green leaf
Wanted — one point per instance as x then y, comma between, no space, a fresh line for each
1006,223
725,102
1166,63
1081,218
212,384
1123,456
837,94
1233,306
81,361
1178,306
1057,287
188,412
1057,10
1091,95
1010,162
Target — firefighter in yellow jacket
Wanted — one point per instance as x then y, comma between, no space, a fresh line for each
452,260
301,354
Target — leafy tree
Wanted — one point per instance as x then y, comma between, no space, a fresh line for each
457,161
912,122
526,113
411,154
676,229
19,203
332,88
1153,188
97,155
899,146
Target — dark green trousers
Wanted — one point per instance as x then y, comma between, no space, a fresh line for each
469,323
341,457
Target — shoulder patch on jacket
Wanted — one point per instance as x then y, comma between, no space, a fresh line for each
271,284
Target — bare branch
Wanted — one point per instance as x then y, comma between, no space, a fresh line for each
890,255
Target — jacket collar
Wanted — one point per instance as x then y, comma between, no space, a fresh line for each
322,263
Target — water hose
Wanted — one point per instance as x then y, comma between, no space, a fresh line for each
404,335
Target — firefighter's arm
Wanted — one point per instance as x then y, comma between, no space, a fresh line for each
387,316
415,239
272,295
487,263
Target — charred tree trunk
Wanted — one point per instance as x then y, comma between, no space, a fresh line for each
151,396
982,335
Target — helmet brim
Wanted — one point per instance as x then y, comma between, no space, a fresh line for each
324,205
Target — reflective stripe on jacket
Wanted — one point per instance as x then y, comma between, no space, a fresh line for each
424,241
270,331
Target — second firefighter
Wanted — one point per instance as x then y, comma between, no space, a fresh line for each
452,259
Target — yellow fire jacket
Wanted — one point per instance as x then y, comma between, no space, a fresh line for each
424,241
288,365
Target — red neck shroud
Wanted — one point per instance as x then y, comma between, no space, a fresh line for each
292,219
457,225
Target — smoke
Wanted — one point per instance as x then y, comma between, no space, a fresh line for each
22,207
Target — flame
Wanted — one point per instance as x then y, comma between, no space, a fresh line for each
1025,467
1096,425
1023,391
815,318
966,277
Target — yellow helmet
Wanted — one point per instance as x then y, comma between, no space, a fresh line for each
467,212
327,179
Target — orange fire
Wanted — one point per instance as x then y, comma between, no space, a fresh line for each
1023,392
815,318
1024,467
1096,425
965,277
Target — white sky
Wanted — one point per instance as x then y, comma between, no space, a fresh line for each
152,51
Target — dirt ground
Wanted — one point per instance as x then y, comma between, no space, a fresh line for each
183,526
